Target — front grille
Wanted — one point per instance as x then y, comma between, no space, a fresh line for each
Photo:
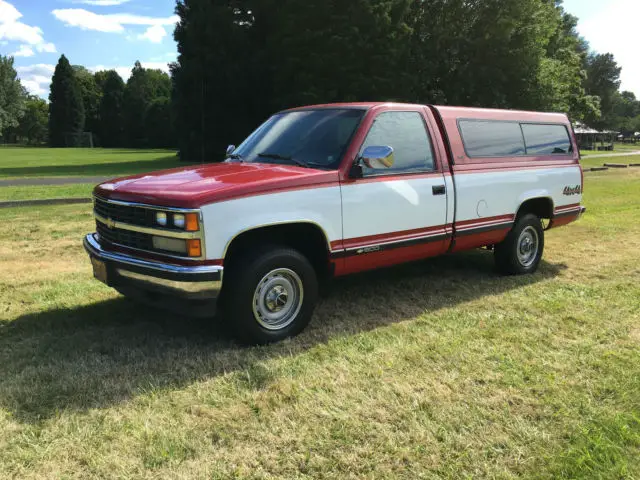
132,215
126,238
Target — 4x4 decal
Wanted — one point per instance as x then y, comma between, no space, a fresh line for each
577,190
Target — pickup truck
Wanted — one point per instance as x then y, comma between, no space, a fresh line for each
324,191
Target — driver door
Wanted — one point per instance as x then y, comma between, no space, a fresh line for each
397,214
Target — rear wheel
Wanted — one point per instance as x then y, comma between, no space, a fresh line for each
270,295
520,253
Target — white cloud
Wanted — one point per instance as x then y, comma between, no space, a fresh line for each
36,78
154,34
24,51
609,29
8,13
79,17
114,23
12,30
102,3
46,48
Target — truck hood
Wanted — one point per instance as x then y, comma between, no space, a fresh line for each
193,187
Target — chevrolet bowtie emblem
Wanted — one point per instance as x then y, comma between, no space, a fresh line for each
110,223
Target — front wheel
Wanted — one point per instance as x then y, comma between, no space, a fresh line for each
520,253
271,295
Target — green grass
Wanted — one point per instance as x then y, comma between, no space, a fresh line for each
441,369
618,148
46,192
48,162
599,161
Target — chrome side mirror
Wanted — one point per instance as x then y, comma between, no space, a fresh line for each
378,157
231,149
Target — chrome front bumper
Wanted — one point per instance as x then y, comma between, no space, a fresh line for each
202,282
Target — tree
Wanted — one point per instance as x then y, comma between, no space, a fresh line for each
143,87
239,61
603,80
111,127
33,126
485,53
91,95
66,110
159,124
12,95
100,79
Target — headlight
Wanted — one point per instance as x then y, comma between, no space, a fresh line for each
186,221
178,220
161,218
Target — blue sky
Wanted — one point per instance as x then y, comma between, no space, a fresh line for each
612,26
98,34
103,34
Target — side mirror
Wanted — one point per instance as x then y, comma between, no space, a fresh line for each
378,157
356,170
231,149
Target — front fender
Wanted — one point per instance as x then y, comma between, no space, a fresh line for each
224,221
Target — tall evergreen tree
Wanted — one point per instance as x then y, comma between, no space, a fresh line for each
66,109
111,129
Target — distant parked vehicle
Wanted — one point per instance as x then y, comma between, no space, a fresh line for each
325,191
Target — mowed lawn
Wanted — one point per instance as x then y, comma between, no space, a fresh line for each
32,163
618,148
79,162
599,161
438,369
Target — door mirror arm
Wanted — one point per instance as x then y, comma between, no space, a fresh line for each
356,170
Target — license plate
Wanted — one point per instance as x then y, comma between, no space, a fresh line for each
99,270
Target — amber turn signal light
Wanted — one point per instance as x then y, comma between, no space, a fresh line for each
194,249
191,223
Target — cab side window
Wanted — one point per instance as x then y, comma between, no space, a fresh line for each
406,133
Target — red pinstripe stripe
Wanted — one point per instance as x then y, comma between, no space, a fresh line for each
398,236
392,237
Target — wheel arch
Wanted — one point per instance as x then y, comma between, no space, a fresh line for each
540,205
306,236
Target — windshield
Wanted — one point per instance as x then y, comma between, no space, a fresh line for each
312,138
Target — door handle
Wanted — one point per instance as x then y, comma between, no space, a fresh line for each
439,189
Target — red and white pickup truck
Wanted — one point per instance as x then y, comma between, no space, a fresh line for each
325,191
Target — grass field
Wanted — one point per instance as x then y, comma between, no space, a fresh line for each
598,161
82,190
439,369
68,162
619,148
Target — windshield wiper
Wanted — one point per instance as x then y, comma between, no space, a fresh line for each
235,156
277,156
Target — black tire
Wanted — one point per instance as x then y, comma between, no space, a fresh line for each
516,255
243,316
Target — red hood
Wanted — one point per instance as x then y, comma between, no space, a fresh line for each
192,187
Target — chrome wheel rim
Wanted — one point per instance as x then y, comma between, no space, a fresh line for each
277,299
528,244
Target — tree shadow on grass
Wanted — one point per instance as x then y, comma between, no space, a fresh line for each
109,352
95,169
